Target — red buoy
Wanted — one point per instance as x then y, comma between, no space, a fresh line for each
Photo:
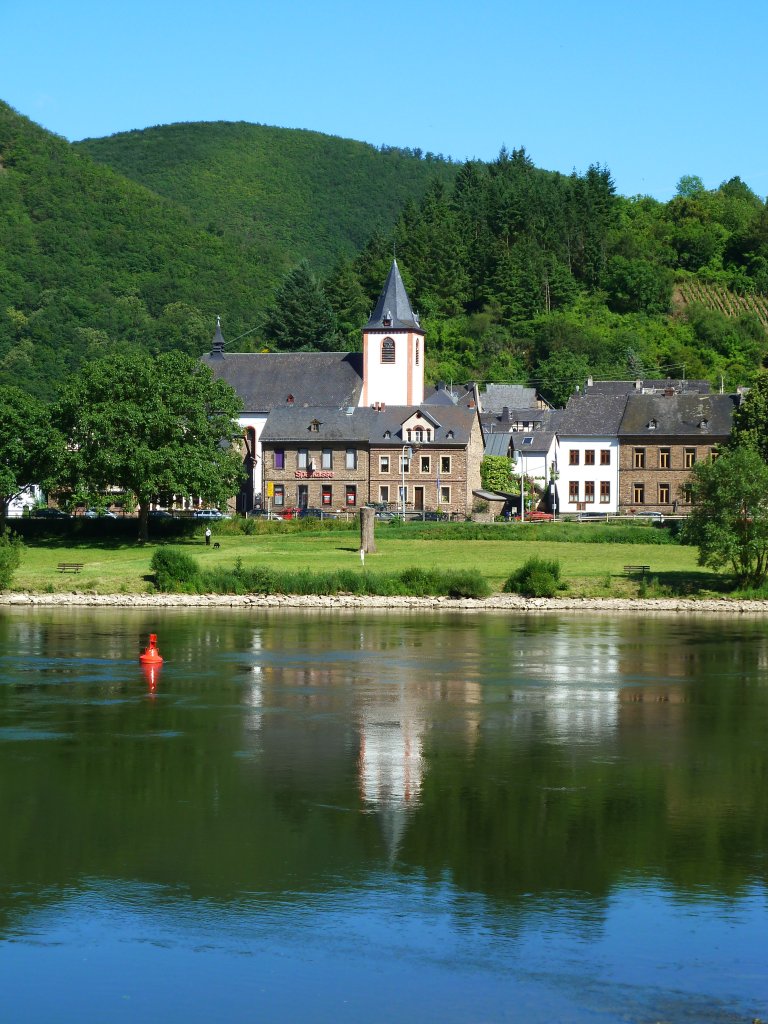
151,655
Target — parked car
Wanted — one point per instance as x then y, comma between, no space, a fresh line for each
91,513
291,512
208,513
160,513
49,513
656,517
592,517
311,513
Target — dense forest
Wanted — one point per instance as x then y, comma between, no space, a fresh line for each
520,274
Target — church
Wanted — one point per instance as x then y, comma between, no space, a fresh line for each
337,430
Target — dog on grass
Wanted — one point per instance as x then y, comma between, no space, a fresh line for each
216,544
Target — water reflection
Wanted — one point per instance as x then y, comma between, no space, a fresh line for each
501,787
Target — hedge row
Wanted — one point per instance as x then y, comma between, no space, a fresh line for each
177,572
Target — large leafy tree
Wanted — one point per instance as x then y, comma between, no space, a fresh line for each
729,518
149,426
301,317
750,420
29,444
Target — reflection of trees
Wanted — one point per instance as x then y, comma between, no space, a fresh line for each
563,761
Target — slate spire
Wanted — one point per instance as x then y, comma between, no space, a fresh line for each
217,345
393,310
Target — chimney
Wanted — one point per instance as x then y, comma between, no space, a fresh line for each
505,414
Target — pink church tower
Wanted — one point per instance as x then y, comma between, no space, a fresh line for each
393,349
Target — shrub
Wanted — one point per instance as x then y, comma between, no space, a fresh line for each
175,571
10,558
538,577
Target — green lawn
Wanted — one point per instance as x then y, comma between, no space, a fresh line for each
590,569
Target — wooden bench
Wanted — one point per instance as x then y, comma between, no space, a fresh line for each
70,566
632,570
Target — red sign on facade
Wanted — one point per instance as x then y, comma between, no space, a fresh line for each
318,474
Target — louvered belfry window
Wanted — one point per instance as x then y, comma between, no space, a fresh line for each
388,350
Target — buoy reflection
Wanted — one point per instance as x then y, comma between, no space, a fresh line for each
152,676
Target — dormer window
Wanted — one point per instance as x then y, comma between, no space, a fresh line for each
314,426
289,400
449,435
388,348
387,435
652,425
703,425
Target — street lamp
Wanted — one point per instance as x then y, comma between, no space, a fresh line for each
407,450
522,487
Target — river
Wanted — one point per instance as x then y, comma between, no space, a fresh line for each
379,817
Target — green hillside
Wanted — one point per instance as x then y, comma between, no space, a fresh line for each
286,193
90,260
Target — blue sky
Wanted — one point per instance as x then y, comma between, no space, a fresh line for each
653,90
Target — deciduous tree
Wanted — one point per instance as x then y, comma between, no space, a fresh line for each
150,426
29,445
729,518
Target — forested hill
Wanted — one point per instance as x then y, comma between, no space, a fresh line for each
286,193
90,261
526,275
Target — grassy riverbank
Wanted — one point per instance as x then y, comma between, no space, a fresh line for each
589,569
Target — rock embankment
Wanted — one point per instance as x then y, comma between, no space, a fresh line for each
496,603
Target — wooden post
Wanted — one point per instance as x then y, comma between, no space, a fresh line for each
367,523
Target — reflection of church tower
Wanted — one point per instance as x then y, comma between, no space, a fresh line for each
393,349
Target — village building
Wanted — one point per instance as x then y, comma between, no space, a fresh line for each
661,438
336,430
587,465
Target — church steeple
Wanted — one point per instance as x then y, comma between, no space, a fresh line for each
393,310
393,357
217,345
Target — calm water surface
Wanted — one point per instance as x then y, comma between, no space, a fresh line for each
346,818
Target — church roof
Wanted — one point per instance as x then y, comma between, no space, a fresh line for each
393,310
264,380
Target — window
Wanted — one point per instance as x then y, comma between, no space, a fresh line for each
573,457
279,458
314,426
589,457
279,495
527,440
713,454
445,495
663,494
664,457
639,459
589,491
384,493
327,495
573,491
405,464
418,435
351,494
402,494
426,464
388,350
605,492
687,491
690,457
605,457
327,458
302,460
638,494
383,463
351,460
417,351
445,463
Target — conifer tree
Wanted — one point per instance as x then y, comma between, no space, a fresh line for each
301,317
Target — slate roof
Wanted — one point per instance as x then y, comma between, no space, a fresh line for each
289,423
513,396
678,416
628,387
394,305
592,416
458,419
264,380
292,423
541,441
